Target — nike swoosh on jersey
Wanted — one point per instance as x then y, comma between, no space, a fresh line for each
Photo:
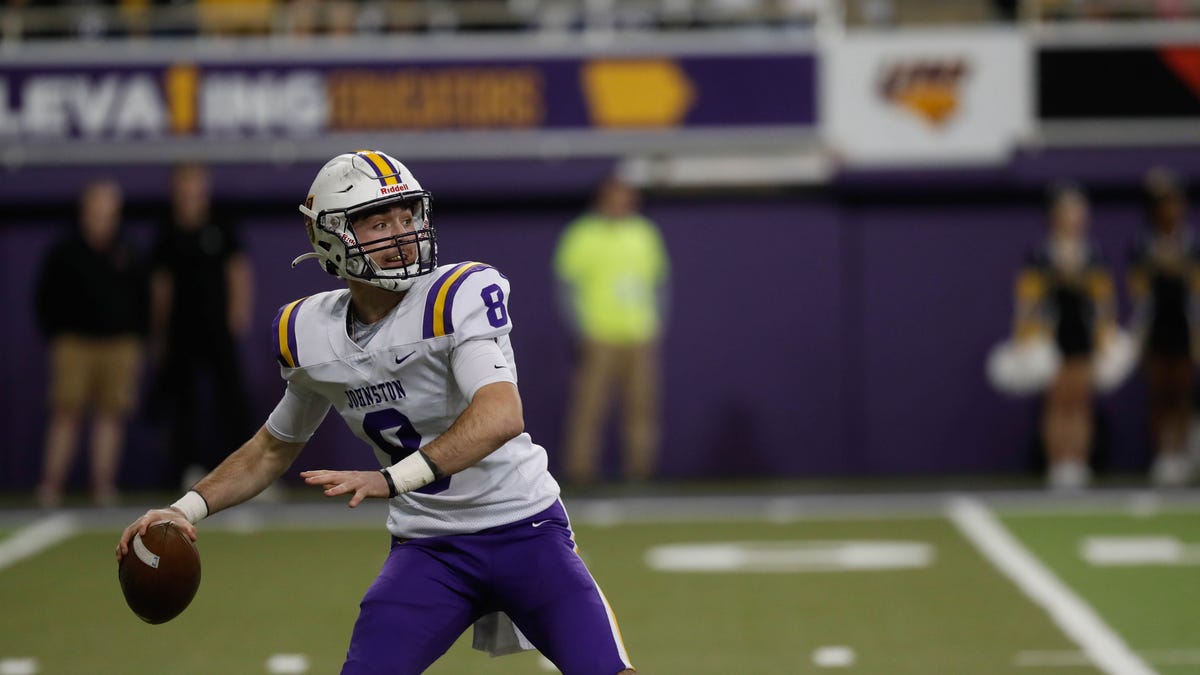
539,523
499,366
402,360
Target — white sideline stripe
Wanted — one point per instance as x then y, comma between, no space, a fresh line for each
1173,657
1051,658
1101,644
35,538
1054,658
307,516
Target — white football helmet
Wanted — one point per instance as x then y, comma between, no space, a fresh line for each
355,183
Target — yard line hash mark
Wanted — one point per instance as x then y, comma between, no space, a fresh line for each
287,664
1102,645
19,666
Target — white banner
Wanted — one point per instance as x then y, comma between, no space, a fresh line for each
926,97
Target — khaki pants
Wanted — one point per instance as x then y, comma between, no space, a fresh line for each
633,371
94,374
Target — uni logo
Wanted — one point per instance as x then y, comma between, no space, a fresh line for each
929,88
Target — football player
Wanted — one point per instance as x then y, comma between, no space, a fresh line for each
416,358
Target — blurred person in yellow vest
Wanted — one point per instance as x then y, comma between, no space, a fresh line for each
613,270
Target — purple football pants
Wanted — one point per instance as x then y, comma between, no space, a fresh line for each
431,590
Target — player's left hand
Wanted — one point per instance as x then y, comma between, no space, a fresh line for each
362,483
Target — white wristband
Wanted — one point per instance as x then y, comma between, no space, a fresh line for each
410,473
193,506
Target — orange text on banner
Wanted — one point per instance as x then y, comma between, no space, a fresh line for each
436,98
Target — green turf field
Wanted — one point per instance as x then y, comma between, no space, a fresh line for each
1154,607
295,592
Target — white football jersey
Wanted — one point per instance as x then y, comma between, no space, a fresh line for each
397,393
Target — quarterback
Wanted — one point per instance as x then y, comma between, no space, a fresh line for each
416,359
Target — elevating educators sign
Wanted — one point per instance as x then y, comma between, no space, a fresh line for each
269,107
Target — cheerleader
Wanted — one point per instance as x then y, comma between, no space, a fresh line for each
1163,279
1064,293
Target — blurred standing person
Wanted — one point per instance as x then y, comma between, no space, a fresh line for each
201,299
1065,291
1163,280
612,271
91,307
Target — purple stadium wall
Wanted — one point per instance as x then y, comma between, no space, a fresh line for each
808,337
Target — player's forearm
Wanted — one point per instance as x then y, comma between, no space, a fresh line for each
248,471
494,417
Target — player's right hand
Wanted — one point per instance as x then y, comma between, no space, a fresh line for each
139,527
358,484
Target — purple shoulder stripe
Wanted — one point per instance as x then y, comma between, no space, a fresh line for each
283,333
448,311
439,303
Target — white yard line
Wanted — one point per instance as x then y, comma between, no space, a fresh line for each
35,538
1100,643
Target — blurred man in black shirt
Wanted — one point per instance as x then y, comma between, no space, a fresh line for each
201,301
91,304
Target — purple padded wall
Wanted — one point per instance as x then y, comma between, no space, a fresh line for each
807,336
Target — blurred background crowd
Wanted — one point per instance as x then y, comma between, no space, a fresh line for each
748,238
298,18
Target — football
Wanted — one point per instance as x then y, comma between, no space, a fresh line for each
161,574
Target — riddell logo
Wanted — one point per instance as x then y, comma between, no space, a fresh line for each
392,189
929,88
